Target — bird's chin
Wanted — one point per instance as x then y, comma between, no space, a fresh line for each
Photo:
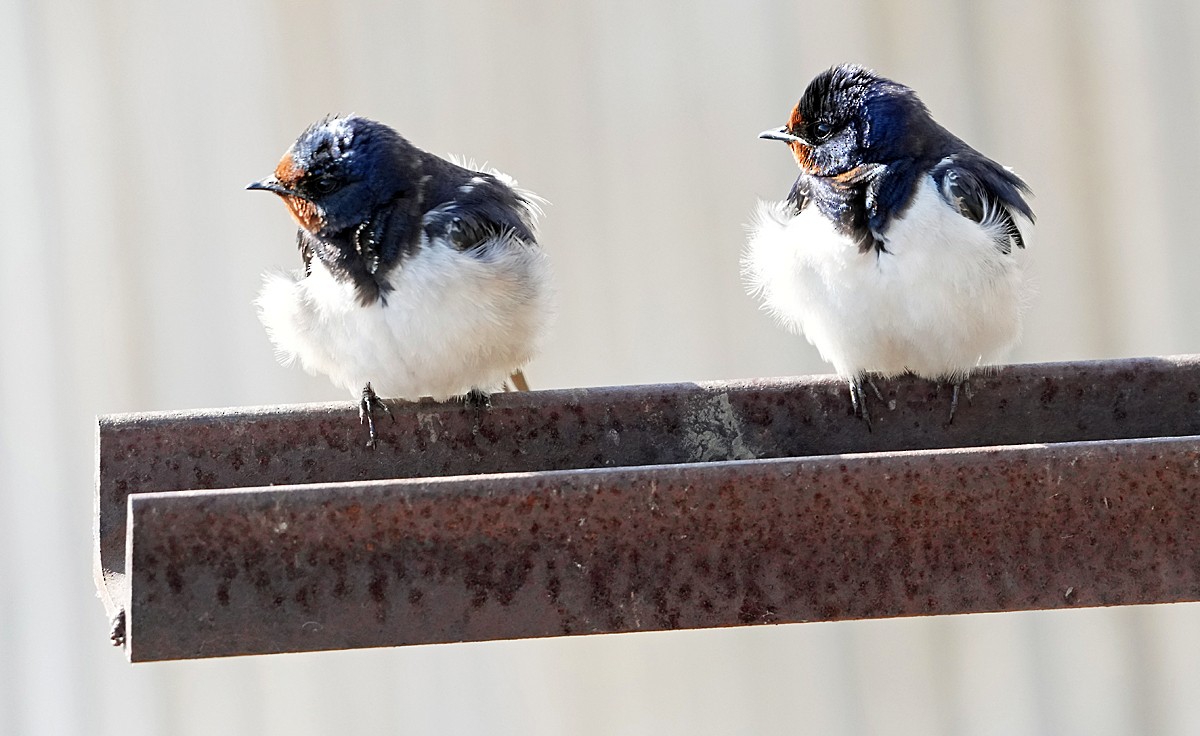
306,214
800,152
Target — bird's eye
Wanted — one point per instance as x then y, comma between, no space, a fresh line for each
822,131
324,184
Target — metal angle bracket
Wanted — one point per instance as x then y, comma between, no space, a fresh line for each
649,508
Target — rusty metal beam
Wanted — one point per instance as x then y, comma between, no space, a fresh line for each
332,566
341,562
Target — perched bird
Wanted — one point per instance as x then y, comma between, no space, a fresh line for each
421,277
894,251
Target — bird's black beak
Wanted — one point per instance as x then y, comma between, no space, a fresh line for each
270,184
781,134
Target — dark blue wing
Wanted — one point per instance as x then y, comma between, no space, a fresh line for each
482,209
985,192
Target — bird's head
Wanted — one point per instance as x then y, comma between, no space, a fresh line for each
340,170
850,117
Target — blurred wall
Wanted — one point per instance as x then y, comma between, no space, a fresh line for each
129,256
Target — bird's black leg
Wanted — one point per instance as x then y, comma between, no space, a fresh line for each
966,389
858,398
366,411
478,399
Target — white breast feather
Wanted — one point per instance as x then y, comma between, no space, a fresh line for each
452,321
942,299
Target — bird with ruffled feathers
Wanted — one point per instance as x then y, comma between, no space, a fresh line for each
894,251
420,277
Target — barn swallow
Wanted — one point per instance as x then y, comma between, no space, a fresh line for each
896,249
420,277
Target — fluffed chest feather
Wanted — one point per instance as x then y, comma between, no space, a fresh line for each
451,320
941,298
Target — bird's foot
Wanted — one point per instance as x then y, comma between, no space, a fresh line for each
858,397
478,399
366,412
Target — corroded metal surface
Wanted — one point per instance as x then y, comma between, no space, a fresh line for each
667,547
620,427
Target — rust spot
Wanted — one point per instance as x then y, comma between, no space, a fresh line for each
174,580
378,589
1049,392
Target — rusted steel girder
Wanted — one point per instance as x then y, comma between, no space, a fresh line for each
649,508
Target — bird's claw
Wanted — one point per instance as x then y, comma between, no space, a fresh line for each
858,397
366,412
965,386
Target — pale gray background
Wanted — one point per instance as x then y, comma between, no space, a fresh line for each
129,256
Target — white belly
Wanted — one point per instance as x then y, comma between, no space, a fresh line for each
451,322
939,302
